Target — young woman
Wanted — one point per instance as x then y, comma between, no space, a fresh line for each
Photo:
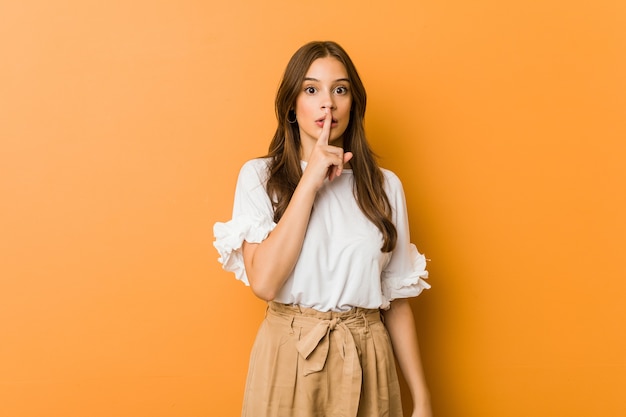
321,233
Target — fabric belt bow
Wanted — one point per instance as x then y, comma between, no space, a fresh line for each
314,346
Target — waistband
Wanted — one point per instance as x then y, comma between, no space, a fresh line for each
352,316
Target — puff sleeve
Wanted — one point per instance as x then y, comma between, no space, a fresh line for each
405,274
252,218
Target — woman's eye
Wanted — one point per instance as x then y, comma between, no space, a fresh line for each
341,90
310,90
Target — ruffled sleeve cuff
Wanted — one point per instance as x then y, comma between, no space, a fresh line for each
410,285
229,238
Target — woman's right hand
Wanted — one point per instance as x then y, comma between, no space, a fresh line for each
325,161
269,263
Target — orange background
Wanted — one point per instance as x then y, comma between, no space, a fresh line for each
123,126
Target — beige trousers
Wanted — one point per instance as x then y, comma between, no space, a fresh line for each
307,363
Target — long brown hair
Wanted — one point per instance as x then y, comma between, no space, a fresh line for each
284,150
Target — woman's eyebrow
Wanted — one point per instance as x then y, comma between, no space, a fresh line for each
316,80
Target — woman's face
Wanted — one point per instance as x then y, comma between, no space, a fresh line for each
325,86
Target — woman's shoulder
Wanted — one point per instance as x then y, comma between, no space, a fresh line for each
256,164
257,167
253,173
391,179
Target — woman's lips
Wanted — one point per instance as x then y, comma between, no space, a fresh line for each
320,122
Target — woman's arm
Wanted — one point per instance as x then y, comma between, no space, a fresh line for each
269,263
401,326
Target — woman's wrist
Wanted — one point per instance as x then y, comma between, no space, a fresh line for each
421,401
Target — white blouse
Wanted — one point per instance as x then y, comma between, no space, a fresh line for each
341,264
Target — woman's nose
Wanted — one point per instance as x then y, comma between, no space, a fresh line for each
328,102
328,105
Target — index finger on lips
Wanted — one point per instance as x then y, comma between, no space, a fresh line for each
325,135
